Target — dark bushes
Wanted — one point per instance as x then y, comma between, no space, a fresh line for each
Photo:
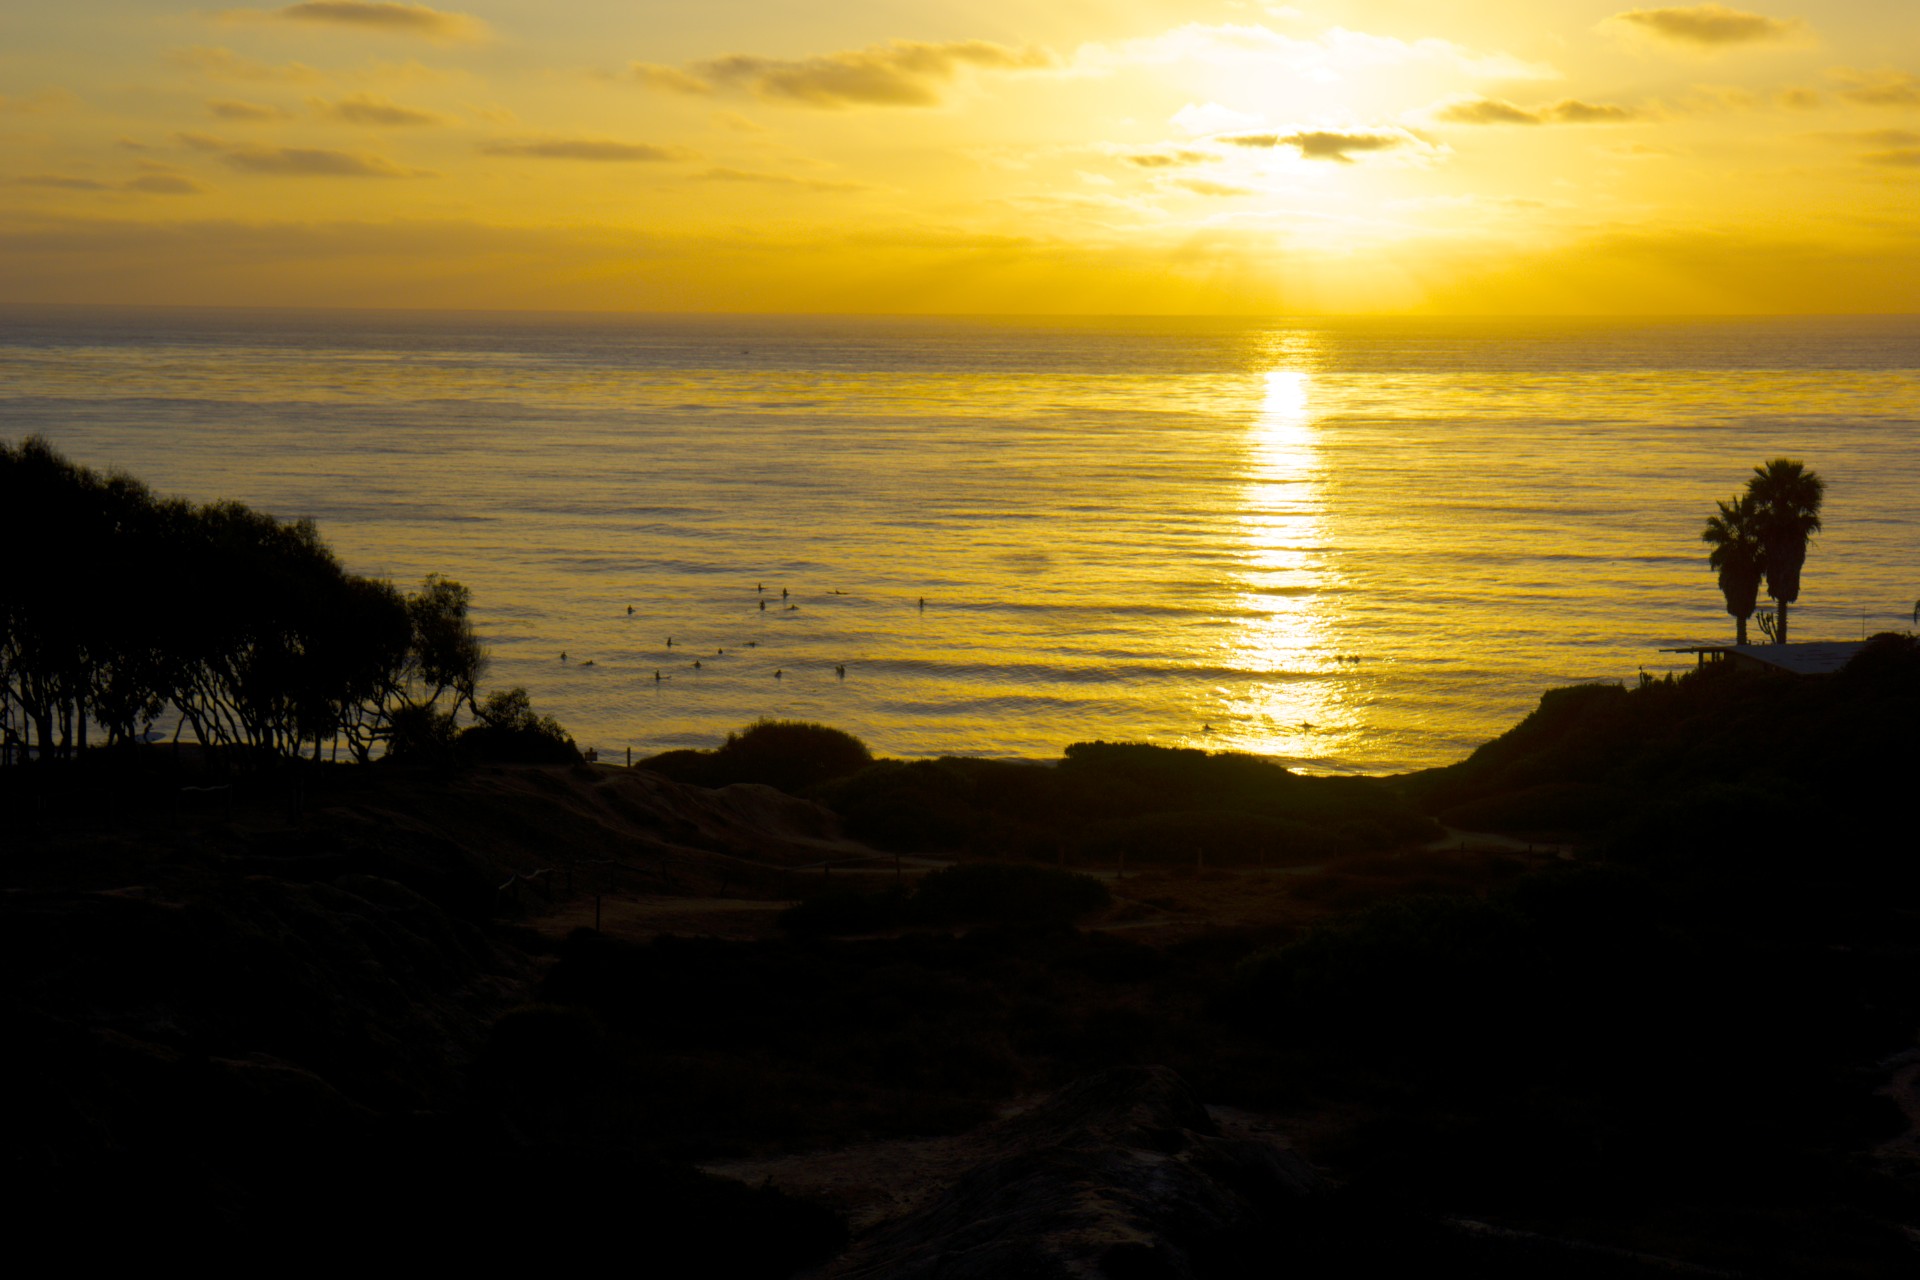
1007,893
1720,766
789,754
1104,800
509,732
978,893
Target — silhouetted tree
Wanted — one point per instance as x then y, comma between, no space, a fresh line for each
247,626
1786,500
507,729
1738,557
441,656
265,669
72,641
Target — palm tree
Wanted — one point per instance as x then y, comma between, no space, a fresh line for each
1737,555
1786,500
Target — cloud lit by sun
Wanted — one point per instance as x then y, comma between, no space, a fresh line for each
1216,158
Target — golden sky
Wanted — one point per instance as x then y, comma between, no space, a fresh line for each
1214,156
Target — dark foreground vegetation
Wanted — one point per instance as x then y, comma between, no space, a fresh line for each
334,1018
122,609
1103,803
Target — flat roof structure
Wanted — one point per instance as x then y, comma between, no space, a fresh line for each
1816,658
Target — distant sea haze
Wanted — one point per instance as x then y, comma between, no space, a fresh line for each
1349,545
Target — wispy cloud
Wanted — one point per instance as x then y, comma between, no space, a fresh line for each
1500,111
1897,147
1710,26
1328,144
603,150
34,103
232,109
370,15
1170,159
1882,88
899,73
657,75
319,162
779,180
1202,187
225,64
368,109
165,184
61,182
159,183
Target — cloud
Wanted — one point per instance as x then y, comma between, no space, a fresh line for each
34,104
225,64
165,184
1710,26
61,182
899,73
157,183
1574,111
1896,147
1883,88
779,180
1485,111
367,109
1202,187
1799,99
371,15
298,161
1887,137
659,76
1327,144
597,149
231,109
1170,159
315,162
1500,111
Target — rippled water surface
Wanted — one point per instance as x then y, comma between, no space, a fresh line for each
1357,545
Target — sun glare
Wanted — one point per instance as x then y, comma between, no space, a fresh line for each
1286,633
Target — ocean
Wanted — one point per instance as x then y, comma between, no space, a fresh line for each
1351,545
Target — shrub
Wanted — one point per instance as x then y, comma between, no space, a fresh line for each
914,807
510,733
1001,892
844,911
1222,839
790,754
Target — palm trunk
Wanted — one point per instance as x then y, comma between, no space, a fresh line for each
1780,636
1739,630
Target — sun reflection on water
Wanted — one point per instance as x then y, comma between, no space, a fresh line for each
1293,704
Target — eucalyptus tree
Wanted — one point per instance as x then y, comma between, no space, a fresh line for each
430,652
1786,511
1738,558
246,625
44,647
